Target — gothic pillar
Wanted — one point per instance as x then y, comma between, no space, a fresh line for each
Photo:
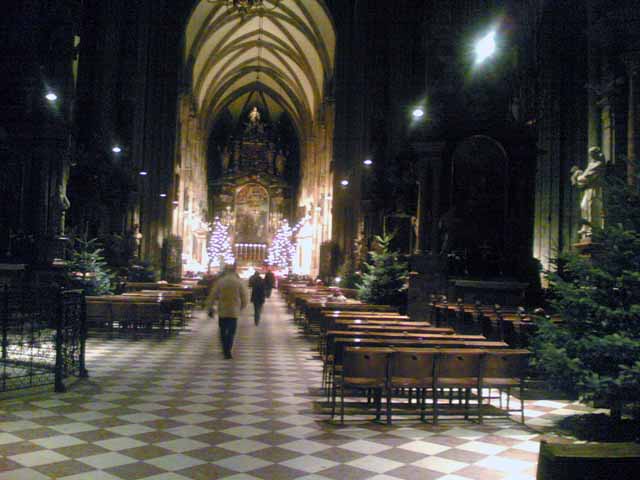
593,79
420,211
632,63
428,193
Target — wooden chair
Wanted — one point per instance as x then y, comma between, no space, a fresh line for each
362,369
461,370
411,369
150,315
505,370
125,314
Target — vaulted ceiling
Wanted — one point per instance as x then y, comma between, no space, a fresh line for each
285,53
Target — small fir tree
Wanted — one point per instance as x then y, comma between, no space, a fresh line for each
595,351
87,268
348,272
282,249
219,246
384,279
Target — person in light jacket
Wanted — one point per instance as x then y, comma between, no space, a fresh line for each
232,297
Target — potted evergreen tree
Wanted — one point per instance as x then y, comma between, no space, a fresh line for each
595,351
87,269
384,279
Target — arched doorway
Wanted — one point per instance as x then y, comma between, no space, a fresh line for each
476,226
248,78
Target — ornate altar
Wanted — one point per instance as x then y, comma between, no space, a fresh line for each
252,195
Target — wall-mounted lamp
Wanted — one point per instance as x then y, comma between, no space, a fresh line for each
163,195
116,149
144,173
367,162
344,183
417,113
51,96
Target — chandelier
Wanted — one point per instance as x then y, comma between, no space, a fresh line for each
248,7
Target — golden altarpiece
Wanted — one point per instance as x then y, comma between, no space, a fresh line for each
252,195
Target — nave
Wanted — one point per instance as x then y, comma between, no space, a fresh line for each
174,409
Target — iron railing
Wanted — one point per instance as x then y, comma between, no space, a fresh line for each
43,337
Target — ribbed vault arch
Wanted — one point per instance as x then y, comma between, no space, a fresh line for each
287,50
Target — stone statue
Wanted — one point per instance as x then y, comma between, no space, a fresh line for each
226,158
254,115
61,205
270,158
236,156
280,162
449,227
137,238
590,181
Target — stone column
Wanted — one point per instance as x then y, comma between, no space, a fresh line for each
594,79
430,153
632,62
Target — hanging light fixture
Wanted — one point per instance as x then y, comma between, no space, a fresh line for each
248,7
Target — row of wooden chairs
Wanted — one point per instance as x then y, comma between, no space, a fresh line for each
384,328
384,371
337,342
512,324
133,318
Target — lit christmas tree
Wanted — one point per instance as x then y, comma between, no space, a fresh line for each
219,248
282,248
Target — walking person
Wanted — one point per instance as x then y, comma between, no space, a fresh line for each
270,282
258,295
231,294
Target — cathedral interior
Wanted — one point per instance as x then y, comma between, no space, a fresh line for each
149,122
145,144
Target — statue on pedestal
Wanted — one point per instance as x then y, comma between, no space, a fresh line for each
59,201
590,181
254,116
226,158
280,163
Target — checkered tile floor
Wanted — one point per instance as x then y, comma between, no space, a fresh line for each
175,409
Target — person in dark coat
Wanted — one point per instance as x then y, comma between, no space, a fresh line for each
258,295
270,282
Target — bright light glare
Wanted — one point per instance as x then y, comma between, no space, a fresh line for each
144,173
338,280
418,112
52,97
163,195
247,273
344,183
116,149
368,162
485,47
